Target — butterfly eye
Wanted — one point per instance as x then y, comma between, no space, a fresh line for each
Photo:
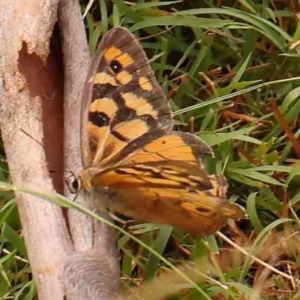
74,184
115,66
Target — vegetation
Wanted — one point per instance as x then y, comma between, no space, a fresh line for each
231,72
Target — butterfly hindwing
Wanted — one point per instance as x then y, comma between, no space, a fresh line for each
177,153
178,208
165,182
169,192
123,105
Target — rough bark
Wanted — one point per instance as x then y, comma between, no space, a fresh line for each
96,259
29,90
32,101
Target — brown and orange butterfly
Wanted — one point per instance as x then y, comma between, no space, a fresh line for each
129,153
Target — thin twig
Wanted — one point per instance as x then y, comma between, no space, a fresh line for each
266,265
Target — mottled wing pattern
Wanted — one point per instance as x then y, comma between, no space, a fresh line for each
165,182
123,106
170,192
193,211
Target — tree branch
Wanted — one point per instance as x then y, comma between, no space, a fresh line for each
97,261
31,120
29,97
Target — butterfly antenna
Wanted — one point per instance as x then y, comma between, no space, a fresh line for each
31,137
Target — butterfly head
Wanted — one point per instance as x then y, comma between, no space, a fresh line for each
83,181
74,184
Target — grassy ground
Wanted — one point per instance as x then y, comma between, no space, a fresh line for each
230,71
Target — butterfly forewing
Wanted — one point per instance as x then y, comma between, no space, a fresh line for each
123,105
172,146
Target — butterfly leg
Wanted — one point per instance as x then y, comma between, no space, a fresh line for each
119,220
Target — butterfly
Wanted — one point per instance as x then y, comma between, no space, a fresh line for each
130,155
